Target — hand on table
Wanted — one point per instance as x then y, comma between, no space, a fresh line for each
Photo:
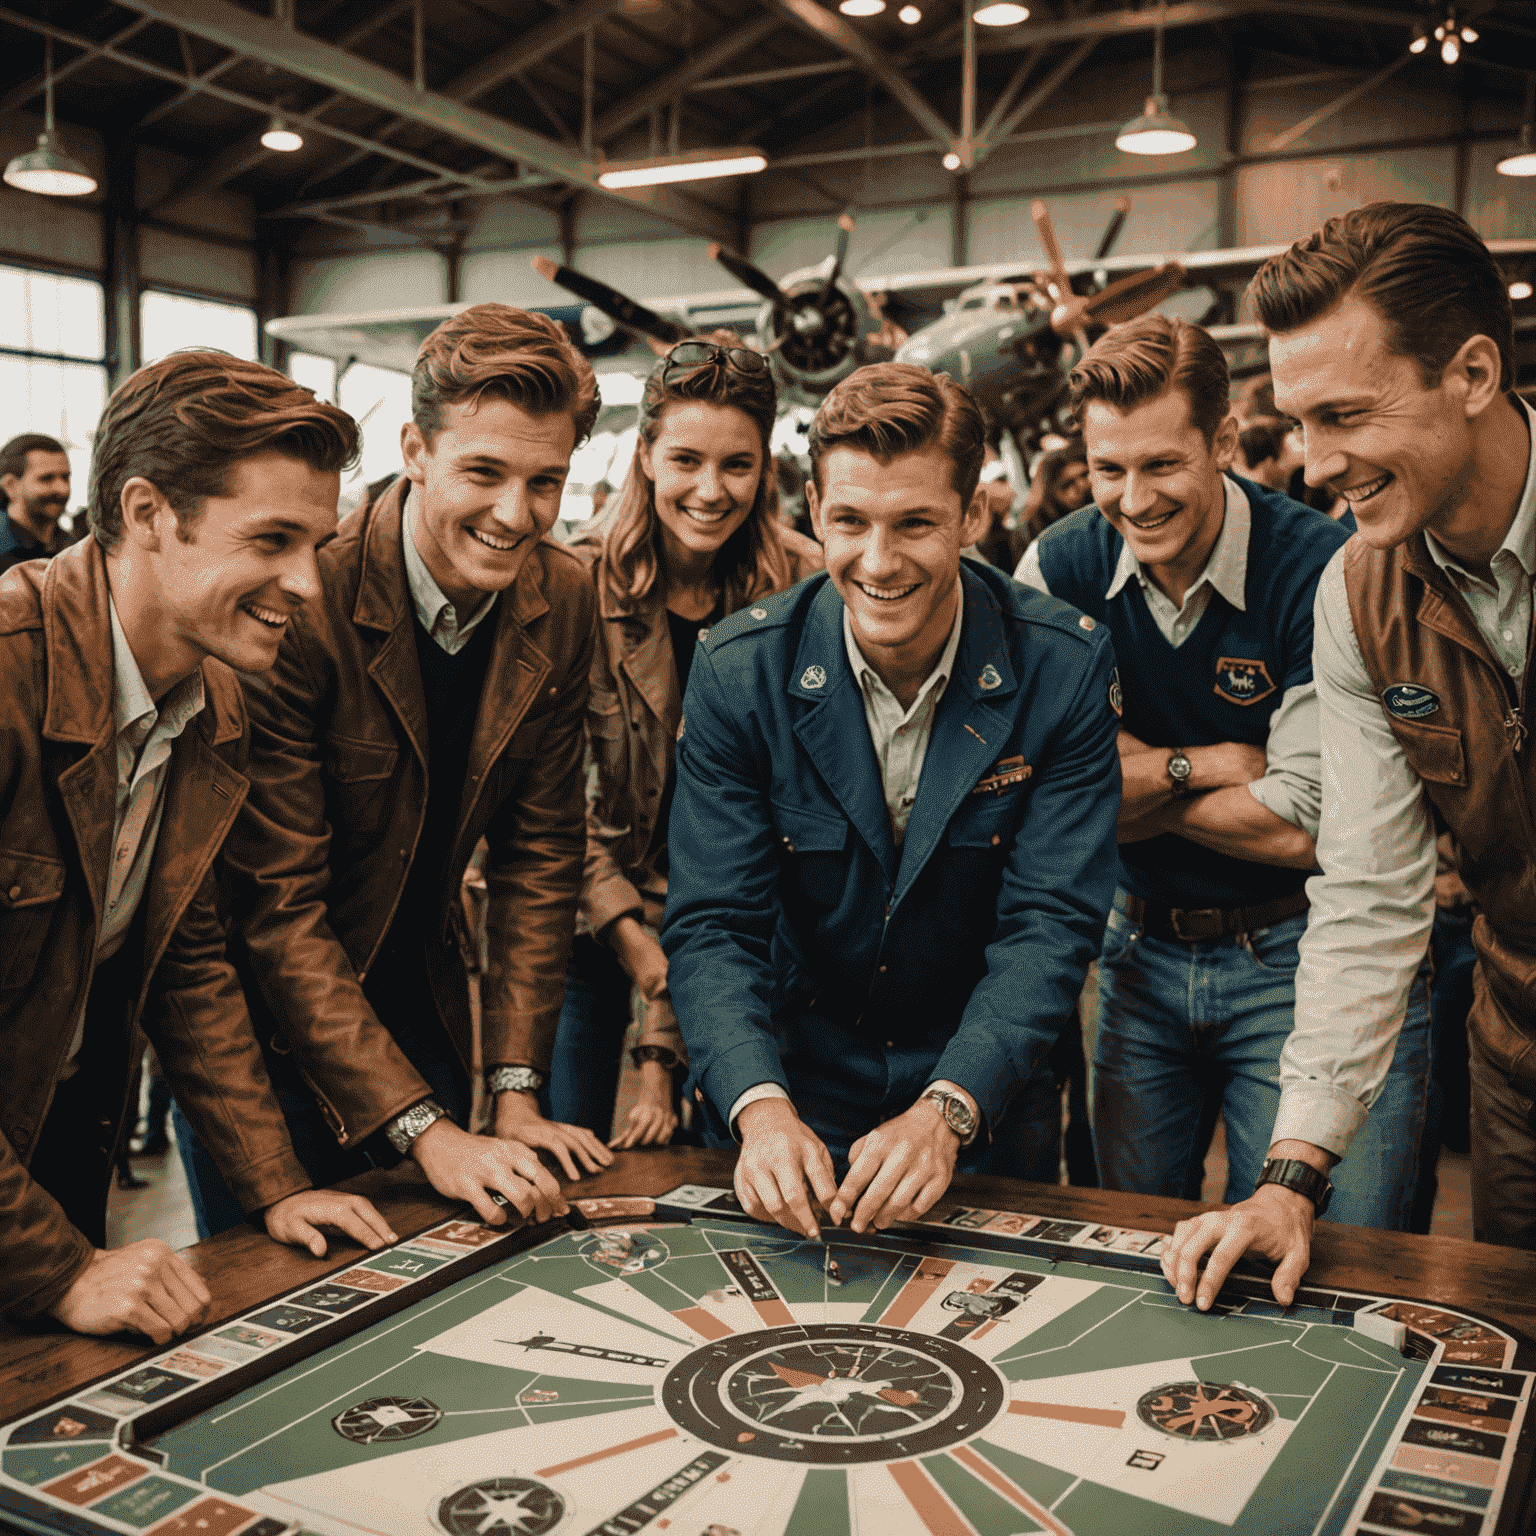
898,1170
465,1167
297,1220
143,1287
652,1120
1273,1221
780,1154
518,1119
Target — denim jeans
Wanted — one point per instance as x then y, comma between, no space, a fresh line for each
589,1043
1450,1094
425,1042
843,1085
1190,1030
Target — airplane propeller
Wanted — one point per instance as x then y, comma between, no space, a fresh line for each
657,329
1113,228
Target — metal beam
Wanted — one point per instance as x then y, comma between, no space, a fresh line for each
925,147
29,88
736,41
524,52
773,76
832,29
1354,93
316,206
295,53
998,126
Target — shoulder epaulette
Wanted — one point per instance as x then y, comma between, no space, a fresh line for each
761,614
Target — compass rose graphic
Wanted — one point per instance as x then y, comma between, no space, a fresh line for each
1205,1411
501,1506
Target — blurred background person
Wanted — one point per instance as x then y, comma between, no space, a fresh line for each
34,493
1060,487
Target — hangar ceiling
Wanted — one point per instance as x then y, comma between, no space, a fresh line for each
409,108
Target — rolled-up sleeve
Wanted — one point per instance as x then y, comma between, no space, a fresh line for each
1292,783
1372,906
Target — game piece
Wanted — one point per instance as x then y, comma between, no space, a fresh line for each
1384,1329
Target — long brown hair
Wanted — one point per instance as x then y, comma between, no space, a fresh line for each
753,561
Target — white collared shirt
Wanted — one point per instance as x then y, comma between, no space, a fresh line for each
901,736
144,734
1373,906
1291,786
438,616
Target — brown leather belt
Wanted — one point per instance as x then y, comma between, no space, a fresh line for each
1195,925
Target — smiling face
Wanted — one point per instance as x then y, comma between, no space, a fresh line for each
1156,478
228,588
1401,455
39,496
892,534
490,483
705,469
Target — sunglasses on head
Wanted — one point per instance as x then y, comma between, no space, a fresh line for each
687,356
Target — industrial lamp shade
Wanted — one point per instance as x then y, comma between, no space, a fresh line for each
1155,132
47,169
1521,161
280,137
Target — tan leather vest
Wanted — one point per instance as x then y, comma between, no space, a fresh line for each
1455,712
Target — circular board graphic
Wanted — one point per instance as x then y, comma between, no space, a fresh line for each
501,1506
839,1393
1205,1411
382,1419
615,1251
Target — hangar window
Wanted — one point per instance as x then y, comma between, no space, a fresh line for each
171,321
379,400
53,375
314,373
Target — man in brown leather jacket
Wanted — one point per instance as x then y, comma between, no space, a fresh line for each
123,746
433,696
1392,343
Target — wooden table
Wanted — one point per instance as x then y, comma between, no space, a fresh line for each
244,1268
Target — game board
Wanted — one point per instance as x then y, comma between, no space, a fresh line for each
680,1369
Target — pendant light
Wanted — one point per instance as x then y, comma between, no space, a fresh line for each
1156,131
281,137
1521,160
48,169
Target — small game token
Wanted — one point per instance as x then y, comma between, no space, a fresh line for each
1383,1329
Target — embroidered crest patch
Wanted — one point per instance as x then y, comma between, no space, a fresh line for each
1116,693
813,677
990,678
1410,701
1240,681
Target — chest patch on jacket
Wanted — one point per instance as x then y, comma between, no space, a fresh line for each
1410,701
1004,774
1240,681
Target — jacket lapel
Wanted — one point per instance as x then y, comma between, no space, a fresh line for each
650,667
834,731
1441,607
969,729
202,795
77,636
384,604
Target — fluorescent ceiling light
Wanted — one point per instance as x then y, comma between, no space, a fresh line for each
1155,132
1519,290
696,165
281,137
861,7
1002,13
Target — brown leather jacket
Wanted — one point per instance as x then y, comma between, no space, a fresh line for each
1414,628
319,858
633,715
58,797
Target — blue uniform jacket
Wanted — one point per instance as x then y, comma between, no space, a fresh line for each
787,889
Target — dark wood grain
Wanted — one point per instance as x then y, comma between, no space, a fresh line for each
244,1268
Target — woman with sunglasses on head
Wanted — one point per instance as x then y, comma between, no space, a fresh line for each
694,535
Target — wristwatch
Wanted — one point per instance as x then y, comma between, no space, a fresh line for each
661,1053
403,1130
958,1115
1292,1173
1179,770
513,1080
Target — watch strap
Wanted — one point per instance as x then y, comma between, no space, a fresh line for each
513,1080
1293,1174
403,1130
958,1115
662,1053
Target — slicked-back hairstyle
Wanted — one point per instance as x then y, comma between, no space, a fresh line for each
753,561
13,457
1133,363
508,354
887,409
185,422
1423,269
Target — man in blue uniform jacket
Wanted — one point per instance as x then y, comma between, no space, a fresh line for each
893,840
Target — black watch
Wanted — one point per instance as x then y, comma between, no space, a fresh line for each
1292,1173
1179,770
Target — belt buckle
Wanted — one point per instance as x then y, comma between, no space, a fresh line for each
1176,913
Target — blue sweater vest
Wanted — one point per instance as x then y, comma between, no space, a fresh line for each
1222,684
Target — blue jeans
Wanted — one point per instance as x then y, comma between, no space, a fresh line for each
589,1043
843,1085
1190,1031
425,1042
1450,1093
